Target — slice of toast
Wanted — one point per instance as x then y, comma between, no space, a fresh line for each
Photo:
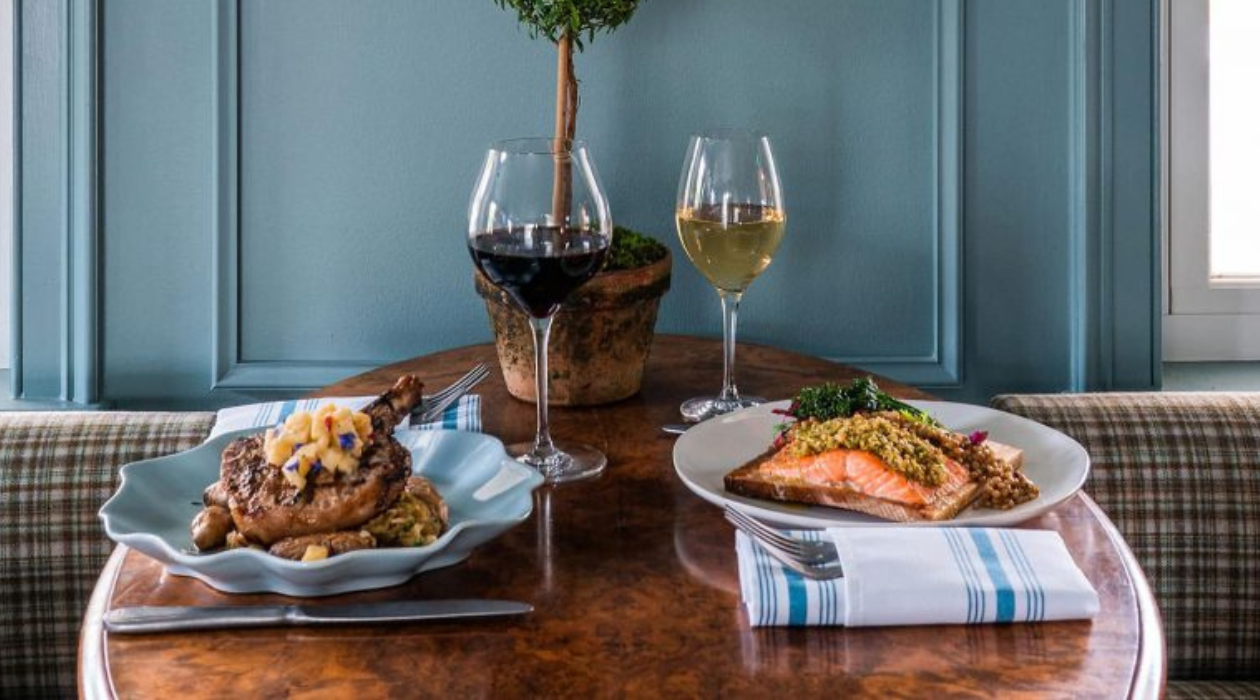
1006,453
749,480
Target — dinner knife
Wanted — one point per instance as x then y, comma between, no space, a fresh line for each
170,618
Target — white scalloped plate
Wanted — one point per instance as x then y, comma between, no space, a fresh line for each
709,451
487,492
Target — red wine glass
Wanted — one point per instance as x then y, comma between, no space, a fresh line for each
539,228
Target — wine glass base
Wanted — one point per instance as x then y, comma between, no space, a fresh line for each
705,407
570,462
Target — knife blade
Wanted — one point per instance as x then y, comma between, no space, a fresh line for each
170,618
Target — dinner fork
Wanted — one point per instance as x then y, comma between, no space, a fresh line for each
806,550
816,560
436,404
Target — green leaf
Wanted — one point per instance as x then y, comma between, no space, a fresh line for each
554,18
829,401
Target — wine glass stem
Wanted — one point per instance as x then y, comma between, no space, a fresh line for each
543,446
730,319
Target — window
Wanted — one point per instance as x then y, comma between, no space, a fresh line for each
1212,186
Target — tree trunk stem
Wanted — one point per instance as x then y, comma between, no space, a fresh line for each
566,127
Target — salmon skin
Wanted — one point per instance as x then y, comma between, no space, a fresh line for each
860,471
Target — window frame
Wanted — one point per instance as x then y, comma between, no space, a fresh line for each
1205,319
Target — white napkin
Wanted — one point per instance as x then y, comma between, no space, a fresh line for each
465,414
918,576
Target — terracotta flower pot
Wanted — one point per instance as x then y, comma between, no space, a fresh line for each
599,340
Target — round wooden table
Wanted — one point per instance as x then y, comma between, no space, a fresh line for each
634,583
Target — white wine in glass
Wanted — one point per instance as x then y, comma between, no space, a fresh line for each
731,253
730,220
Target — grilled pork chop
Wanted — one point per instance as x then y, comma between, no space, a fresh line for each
266,508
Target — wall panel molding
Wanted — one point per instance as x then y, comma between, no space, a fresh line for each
82,347
15,261
56,261
1090,167
1115,334
943,366
229,371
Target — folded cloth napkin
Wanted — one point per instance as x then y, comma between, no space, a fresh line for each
921,576
464,414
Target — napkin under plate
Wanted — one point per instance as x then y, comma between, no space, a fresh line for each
464,414
921,576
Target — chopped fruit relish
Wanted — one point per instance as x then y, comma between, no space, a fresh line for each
330,438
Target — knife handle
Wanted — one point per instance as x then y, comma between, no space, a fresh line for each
169,618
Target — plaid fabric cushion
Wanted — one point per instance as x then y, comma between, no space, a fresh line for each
56,469
1213,690
1179,474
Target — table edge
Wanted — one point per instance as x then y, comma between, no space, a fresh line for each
94,679
1150,671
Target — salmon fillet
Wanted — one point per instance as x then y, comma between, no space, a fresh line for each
860,471
854,480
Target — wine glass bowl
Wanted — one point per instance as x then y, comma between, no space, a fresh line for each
539,228
730,219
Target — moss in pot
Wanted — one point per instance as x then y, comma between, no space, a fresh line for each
601,337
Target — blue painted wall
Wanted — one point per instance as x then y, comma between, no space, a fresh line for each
943,162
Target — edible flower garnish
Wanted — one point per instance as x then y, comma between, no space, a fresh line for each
306,443
978,437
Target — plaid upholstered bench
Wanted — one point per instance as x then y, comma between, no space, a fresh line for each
56,469
1179,474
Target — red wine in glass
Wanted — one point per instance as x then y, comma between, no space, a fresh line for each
538,266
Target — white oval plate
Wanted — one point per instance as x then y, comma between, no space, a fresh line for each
709,451
487,492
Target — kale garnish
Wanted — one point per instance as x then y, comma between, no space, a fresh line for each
829,401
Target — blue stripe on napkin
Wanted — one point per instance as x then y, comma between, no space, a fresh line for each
286,410
1003,594
798,598
769,600
1040,598
959,560
979,599
1024,580
465,414
1036,594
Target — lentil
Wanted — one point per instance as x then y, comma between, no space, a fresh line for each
1004,487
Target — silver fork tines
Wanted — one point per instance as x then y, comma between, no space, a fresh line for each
806,550
816,560
434,405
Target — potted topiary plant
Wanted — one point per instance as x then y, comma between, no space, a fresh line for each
601,338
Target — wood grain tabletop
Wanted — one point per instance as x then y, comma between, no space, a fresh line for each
635,587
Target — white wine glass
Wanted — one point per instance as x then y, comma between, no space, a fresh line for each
730,218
